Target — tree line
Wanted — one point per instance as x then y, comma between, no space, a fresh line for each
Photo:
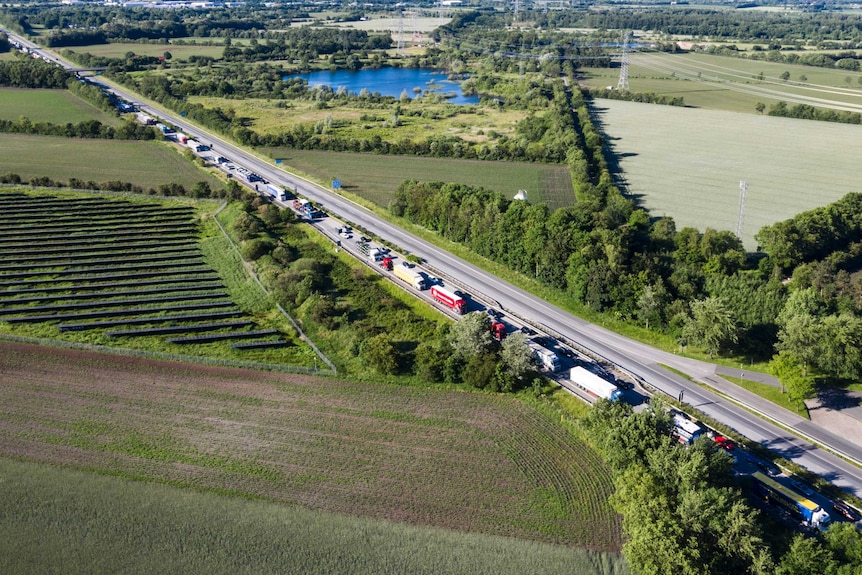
93,129
701,287
807,112
684,511
200,190
33,73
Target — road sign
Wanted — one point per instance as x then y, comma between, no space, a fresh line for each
336,184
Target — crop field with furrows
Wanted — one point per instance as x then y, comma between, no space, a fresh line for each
688,163
114,524
376,177
54,106
446,458
75,287
145,164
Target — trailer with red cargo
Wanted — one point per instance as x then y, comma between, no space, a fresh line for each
498,330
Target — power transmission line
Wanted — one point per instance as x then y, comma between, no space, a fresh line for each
623,84
740,216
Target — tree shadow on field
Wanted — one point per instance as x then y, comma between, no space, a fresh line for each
610,149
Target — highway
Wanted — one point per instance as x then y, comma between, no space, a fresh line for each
639,360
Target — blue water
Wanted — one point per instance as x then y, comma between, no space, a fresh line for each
389,82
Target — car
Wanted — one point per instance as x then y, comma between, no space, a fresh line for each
527,331
723,442
363,239
345,234
767,467
846,512
799,486
407,264
568,353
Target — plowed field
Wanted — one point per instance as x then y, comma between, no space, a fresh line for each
465,461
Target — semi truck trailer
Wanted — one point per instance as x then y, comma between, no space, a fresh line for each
411,276
594,385
448,298
812,514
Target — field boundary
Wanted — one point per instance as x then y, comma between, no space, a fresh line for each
249,270
180,358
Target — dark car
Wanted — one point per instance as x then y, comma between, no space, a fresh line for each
767,467
527,331
846,512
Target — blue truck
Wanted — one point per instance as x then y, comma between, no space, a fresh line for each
778,494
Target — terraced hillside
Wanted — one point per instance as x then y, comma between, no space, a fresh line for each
124,274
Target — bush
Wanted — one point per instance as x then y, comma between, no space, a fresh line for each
256,248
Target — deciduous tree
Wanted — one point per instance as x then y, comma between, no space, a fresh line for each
710,325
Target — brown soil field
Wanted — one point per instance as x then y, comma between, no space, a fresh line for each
460,460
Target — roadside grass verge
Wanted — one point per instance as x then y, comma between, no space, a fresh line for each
146,164
768,392
54,106
773,394
376,177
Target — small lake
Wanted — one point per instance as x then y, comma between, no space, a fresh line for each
389,82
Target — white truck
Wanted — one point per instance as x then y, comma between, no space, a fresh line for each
412,276
686,430
545,357
593,384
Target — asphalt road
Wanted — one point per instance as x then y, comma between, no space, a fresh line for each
639,360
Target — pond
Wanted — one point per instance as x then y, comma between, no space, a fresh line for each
390,82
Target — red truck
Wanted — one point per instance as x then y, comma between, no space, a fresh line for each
449,298
386,263
498,330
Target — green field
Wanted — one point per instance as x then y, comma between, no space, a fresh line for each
63,521
146,164
688,163
376,177
467,461
178,52
733,83
54,106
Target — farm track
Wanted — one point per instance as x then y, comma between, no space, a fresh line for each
126,293
50,227
79,260
416,455
94,231
102,268
112,303
121,312
109,285
118,238
60,247
98,277
152,320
